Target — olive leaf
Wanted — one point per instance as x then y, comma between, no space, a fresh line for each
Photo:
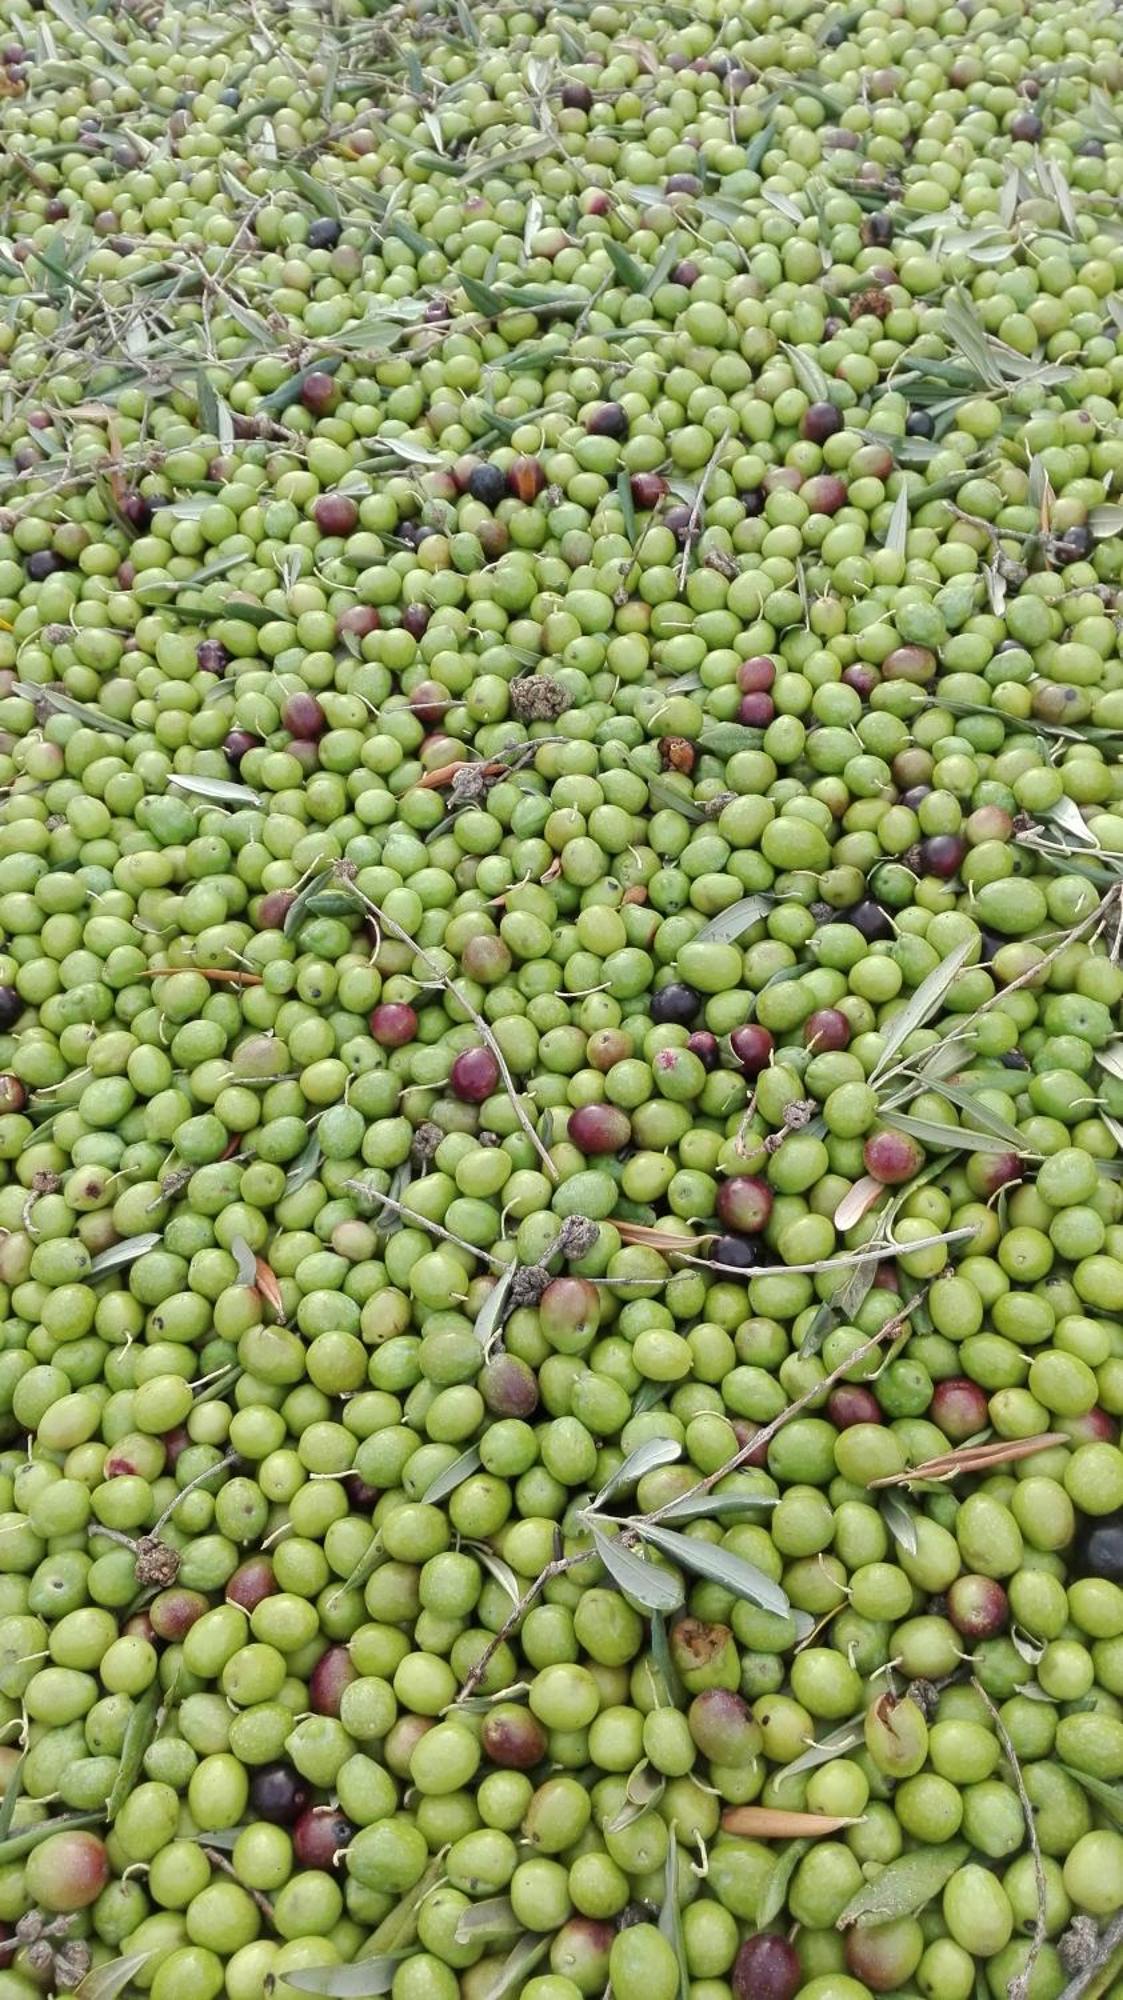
775,1892
714,1506
900,1522
1111,1059
482,1922
643,1790
454,1475
15,1845
139,1732
670,1918
298,908
304,1167
948,1137
627,505
719,1565
366,1976
645,1458
522,1961
491,1314
120,1254
105,1982
643,1583
783,204
924,1003
92,717
364,1569
630,274
245,1259
905,1886
727,738
966,1100
842,1304
808,373
897,533
732,923
218,791
845,1738
495,1566
12,1792
289,390
668,1684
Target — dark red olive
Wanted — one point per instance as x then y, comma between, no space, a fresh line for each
766,1968
826,1029
509,1386
610,420
211,657
488,484
958,1408
676,1002
336,514
820,422
756,675
274,908
332,1673
279,1794
474,1075
752,1045
238,742
358,619
576,97
756,710
736,1251
303,717
599,1128
744,1204
942,855
706,1047
852,1403
393,1024
823,493
319,394
1026,125
252,1581
320,1834
648,489
977,1606
871,920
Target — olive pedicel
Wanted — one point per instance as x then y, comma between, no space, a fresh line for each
561,1000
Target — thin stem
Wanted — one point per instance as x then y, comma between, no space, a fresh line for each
1019,1987
558,1567
1088,1974
441,978
425,1222
223,1465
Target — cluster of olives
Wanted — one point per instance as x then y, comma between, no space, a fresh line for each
561,1001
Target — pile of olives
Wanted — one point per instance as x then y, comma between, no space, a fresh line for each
561,1000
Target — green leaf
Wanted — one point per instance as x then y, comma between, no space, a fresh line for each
900,1521
481,297
646,1457
489,1319
808,373
454,1475
320,197
367,1976
216,791
139,1733
897,533
784,205
720,1565
12,1792
627,505
303,1168
924,1003
758,147
725,739
298,908
125,1252
91,717
661,792
289,390
515,1970
106,1982
965,1100
775,1892
644,1584
905,1886
670,1918
841,1306
948,1137
715,1506
643,1790
838,1743
630,274
482,1922
732,923
18,1844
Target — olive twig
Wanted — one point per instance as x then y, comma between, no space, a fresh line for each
1105,1951
764,1437
367,1193
1019,1986
441,978
557,1567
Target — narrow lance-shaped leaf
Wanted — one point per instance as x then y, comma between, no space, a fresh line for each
516,1969
845,1738
897,533
900,1521
948,1137
106,1982
139,1732
643,1790
720,1565
775,1892
1108,1797
645,1458
670,1918
454,1475
906,1886
217,791
482,1922
359,1981
120,1254
630,274
489,1319
93,718
12,1793
731,924
923,1004
644,1584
